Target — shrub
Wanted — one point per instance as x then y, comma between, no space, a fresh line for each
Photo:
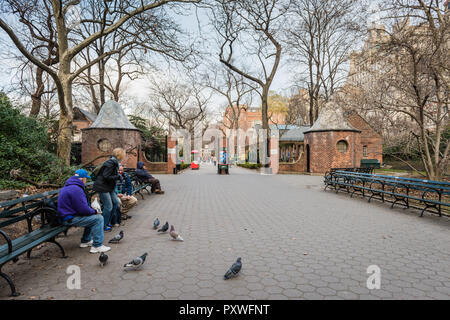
24,145
249,165
184,165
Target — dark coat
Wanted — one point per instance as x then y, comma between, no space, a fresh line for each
107,177
72,200
141,173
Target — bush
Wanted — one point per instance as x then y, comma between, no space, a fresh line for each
24,145
249,165
184,165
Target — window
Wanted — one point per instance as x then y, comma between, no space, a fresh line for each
104,145
365,151
342,146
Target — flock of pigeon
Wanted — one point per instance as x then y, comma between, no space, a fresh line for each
137,262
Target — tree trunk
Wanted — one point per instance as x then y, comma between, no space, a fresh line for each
36,96
265,123
65,124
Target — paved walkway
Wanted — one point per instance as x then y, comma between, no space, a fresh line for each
296,242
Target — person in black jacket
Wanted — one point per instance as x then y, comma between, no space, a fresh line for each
105,184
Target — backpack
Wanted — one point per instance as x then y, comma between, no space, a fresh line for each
95,173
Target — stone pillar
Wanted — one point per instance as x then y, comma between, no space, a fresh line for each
171,153
274,150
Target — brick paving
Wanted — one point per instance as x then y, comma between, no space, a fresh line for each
296,242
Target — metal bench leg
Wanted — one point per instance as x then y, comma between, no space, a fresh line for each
423,210
52,240
14,293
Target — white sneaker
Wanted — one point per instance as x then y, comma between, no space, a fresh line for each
86,244
102,248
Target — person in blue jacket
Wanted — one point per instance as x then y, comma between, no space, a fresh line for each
124,190
75,211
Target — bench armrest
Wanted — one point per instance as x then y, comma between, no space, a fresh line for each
8,240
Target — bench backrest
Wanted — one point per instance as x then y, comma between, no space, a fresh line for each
16,210
417,184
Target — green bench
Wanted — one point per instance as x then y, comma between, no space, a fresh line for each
370,163
26,209
410,192
42,205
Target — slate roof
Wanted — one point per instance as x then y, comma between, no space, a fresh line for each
331,118
88,115
296,134
112,116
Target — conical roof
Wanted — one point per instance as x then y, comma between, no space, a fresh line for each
331,118
112,116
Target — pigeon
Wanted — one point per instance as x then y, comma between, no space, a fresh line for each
164,228
174,235
103,259
234,270
156,223
136,262
117,238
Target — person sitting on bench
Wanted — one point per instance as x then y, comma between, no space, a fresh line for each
146,177
75,211
124,190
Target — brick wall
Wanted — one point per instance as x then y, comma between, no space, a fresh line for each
299,166
156,167
324,154
369,137
116,138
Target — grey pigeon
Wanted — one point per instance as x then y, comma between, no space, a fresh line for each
103,259
156,224
117,238
234,270
164,228
174,234
136,262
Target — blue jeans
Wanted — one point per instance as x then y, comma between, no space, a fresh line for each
110,203
93,228
116,216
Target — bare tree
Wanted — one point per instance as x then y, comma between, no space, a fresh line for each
319,39
298,107
116,14
152,33
181,103
251,30
409,77
234,89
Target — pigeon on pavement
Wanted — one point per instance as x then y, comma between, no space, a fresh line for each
156,224
117,238
164,228
234,270
136,262
103,258
174,235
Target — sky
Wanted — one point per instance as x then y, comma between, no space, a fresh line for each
139,89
